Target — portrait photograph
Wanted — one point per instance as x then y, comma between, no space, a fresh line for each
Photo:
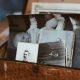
27,52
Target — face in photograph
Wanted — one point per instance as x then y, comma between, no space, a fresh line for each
27,52
26,55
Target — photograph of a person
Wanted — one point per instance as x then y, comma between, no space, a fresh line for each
26,55
27,28
52,53
27,52
22,29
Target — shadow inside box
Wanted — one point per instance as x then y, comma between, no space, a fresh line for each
11,53
3,50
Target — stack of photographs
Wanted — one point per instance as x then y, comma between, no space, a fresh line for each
52,53
67,37
49,36
41,38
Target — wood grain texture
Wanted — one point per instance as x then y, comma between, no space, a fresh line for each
11,70
3,38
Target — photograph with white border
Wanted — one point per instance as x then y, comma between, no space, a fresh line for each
27,52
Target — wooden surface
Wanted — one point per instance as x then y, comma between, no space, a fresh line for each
3,25
29,6
3,36
4,31
10,70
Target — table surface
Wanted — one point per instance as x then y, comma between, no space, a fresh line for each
4,31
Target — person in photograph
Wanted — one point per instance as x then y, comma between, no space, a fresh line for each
33,30
51,23
26,55
21,37
54,23
61,21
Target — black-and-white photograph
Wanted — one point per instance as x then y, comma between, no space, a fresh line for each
27,28
67,37
23,28
27,52
52,53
